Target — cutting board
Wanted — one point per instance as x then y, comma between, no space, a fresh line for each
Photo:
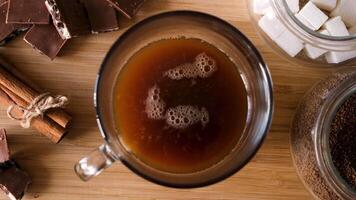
270,175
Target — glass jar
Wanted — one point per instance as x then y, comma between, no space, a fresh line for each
310,136
280,28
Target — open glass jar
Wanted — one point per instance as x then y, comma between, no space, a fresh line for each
280,26
310,136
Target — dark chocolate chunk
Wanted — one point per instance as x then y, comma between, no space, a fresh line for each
13,181
8,31
45,39
5,29
4,150
101,15
129,8
69,17
27,12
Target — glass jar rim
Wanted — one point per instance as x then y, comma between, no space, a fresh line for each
321,138
336,43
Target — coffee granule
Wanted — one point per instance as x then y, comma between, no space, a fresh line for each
302,134
342,141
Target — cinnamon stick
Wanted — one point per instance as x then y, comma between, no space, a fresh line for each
52,113
28,94
17,74
44,125
16,99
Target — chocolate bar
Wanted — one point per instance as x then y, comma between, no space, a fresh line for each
129,8
27,12
69,17
101,15
8,31
51,45
13,181
4,149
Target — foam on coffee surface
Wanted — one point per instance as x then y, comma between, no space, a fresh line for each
203,67
155,106
182,117
179,117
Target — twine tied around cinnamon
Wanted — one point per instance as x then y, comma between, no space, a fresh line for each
37,107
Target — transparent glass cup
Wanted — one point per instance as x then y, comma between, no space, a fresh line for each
179,24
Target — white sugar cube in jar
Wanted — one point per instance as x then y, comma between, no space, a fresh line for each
315,33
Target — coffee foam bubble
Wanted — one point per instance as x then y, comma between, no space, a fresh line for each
182,117
203,67
155,106
179,117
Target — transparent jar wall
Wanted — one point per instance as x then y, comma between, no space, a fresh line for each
308,134
278,25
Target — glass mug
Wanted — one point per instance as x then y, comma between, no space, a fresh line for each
177,24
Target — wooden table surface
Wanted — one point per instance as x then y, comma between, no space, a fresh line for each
270,175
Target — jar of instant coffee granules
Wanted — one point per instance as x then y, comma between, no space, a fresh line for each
323,137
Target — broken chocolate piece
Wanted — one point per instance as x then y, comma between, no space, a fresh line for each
13,181
8,31
5,29
45,39
27,12
101,15
129,8
4,150
69,17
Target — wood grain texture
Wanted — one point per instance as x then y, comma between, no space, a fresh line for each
270,175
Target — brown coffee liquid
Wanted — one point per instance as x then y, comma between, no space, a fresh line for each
180,105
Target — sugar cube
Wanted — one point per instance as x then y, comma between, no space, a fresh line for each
313,15
260,7
328,5
293,5
271,25
338,57
336,27
347,10
304,21
290,43
315,52
352,30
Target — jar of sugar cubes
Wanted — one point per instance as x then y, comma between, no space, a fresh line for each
314,32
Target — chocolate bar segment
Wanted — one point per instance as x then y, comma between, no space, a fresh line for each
6,30
13,181
45,39
27,12
69,17
101,15
4,149
129,8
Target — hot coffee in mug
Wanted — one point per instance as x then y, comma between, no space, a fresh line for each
183,99
180,105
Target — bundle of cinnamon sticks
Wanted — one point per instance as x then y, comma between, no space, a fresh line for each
18,91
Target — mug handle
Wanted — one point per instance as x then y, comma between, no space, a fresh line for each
95,163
